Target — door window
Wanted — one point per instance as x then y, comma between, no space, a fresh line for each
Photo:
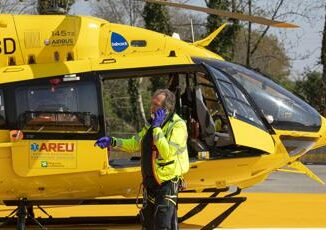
63,107
243,118
213,104
236,102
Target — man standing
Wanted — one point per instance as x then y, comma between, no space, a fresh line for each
164,160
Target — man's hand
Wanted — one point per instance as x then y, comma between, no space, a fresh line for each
103,142
159,118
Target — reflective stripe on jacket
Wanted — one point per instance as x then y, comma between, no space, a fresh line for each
171,143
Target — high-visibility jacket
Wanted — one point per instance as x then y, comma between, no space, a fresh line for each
171,143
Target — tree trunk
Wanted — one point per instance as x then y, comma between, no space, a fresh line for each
140,103
323,62
249,38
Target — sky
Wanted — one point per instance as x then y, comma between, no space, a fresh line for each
303,45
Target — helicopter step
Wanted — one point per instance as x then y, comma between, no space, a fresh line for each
23,215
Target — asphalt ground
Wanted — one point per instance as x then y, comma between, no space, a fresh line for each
283,182
284,200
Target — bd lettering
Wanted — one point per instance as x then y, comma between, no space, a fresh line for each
7,46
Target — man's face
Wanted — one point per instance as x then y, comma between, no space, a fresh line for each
157,102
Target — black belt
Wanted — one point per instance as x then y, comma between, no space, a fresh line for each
166,163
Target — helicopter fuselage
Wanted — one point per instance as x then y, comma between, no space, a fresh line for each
55,73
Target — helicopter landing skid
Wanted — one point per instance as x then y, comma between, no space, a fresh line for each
24,215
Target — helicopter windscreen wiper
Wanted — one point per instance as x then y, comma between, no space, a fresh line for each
42,121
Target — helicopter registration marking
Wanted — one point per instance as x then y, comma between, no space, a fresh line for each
55,155
7,46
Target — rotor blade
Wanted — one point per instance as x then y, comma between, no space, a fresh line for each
227,14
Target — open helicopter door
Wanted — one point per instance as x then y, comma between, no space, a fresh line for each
249,129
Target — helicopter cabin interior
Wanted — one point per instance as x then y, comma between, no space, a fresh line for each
198,102
87,106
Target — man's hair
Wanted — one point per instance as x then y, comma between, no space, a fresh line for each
169,102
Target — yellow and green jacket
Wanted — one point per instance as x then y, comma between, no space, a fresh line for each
171,143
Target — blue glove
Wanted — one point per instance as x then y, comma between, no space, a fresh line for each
103,142
159,117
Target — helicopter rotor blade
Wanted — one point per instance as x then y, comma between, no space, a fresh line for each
227,14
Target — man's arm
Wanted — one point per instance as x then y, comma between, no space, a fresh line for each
177,144
131,144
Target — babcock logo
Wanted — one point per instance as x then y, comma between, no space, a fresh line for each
118,42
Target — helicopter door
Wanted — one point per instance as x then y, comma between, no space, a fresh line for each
248,128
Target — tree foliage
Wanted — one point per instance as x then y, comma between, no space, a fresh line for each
309,89
156,18
17,6
133,86
224,43
270,57
123,11
43,6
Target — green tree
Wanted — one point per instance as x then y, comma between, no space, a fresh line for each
156,18
224,43
54,6
309,89
133,86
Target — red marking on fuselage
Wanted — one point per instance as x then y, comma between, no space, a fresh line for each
57,147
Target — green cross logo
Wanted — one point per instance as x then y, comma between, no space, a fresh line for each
44,164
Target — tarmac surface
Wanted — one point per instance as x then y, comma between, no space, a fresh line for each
283,182
284,200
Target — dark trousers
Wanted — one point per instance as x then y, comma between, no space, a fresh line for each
159,210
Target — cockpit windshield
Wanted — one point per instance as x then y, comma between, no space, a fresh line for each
282,109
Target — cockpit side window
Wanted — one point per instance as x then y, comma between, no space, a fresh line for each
281,108
237,104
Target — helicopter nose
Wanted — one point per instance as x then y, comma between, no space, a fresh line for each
298,144
322,134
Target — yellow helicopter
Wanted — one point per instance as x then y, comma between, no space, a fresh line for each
62,77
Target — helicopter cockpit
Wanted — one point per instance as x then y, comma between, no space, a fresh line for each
213,99
205,107
282,109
